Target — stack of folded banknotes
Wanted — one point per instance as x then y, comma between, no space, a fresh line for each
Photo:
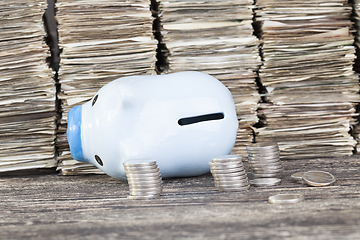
307,72
27,94
100,41
215,37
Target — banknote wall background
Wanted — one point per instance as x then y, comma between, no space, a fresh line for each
311,89
27,93
289,66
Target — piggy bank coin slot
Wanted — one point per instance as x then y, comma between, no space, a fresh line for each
94,100
201,118
98,159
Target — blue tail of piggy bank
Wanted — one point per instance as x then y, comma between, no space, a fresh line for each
73,133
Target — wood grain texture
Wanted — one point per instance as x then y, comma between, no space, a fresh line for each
49,206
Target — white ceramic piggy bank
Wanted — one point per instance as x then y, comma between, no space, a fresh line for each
181,120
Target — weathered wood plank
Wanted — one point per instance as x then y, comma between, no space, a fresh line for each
88,207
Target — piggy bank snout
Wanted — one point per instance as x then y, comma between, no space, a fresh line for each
73,133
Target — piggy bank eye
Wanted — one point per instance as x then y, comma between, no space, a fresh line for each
98,159
94,100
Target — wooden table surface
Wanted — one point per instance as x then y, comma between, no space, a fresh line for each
50,206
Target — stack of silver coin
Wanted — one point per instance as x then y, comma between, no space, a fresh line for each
144,179
229,173
264,161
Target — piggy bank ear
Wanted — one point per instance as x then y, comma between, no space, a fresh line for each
73,133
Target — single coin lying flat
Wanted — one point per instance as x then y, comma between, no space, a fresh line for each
286,198
318,178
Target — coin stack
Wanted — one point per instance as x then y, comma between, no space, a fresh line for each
229,173
264,160
144,179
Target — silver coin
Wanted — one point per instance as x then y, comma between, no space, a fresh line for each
297,176
139,162
263,153
226,166
148,179
220,163
265,175
267,169
152,189
231,181
140,167
226,162
257,151
265,162
318,178
286,198
269,166
144,192
268,172
226,158
230,170
140,177
145,188
145,185
229,178
139,191
142,174
141,171
241,174
265,158
262,182
143,197
144,182
231,174
262,145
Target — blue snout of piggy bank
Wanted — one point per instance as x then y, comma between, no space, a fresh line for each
181,120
